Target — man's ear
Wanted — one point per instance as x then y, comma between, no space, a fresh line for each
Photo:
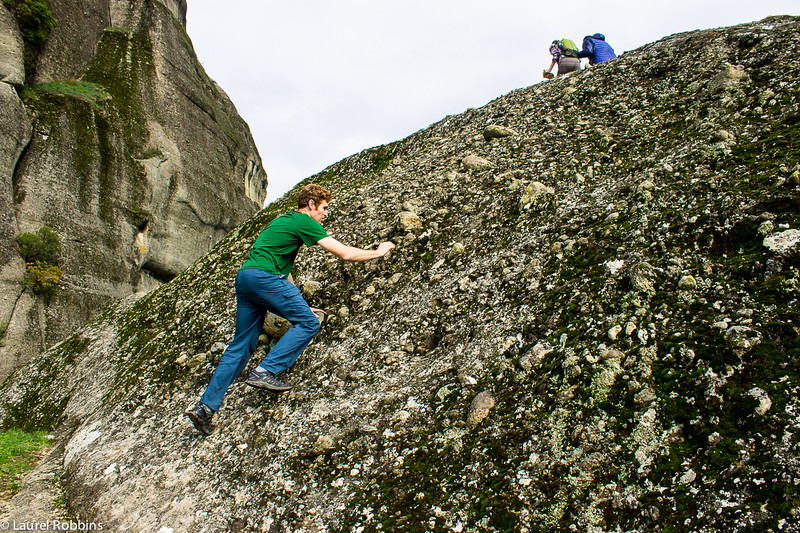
312,204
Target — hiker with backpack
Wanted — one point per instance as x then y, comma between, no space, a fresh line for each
596,49
565,55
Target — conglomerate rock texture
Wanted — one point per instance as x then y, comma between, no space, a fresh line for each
113,135
590,323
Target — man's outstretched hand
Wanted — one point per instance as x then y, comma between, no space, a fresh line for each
384,247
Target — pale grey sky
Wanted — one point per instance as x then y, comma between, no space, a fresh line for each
318,81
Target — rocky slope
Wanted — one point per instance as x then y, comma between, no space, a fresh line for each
590,323
115,137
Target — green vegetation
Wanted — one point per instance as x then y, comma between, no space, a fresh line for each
42,278
43,246
34,18
19,452
780,143
123,65
150,153
382,156
41,407
41,251
102,110
90,92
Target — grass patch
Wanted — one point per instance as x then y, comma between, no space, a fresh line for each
19,453
91,92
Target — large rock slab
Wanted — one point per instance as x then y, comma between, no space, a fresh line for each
12,58
139,161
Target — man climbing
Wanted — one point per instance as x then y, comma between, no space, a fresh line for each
263,284
596,49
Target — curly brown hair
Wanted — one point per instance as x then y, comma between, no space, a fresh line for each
314,192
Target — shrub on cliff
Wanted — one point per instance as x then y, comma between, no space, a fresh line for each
34,18
43,246
42,278
41,251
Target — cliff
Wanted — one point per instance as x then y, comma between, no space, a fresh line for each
590,323
114,137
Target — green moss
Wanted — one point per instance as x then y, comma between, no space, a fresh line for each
84,154
381,157
104,135
33,413
123,65
90,92
741,438
41,406
403,499
759,154
92,138
34,18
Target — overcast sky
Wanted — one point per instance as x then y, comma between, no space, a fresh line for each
318,81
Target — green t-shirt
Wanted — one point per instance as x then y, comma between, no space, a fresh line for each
275,249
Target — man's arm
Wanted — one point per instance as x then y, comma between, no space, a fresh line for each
351,253
588,49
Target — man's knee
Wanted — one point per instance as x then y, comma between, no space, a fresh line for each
314,325
309,324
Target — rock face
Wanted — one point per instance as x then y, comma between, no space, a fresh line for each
520,362
114,136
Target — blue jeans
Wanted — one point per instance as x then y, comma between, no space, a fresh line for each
257,292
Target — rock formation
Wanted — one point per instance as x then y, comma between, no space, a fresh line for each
115,137
595,331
